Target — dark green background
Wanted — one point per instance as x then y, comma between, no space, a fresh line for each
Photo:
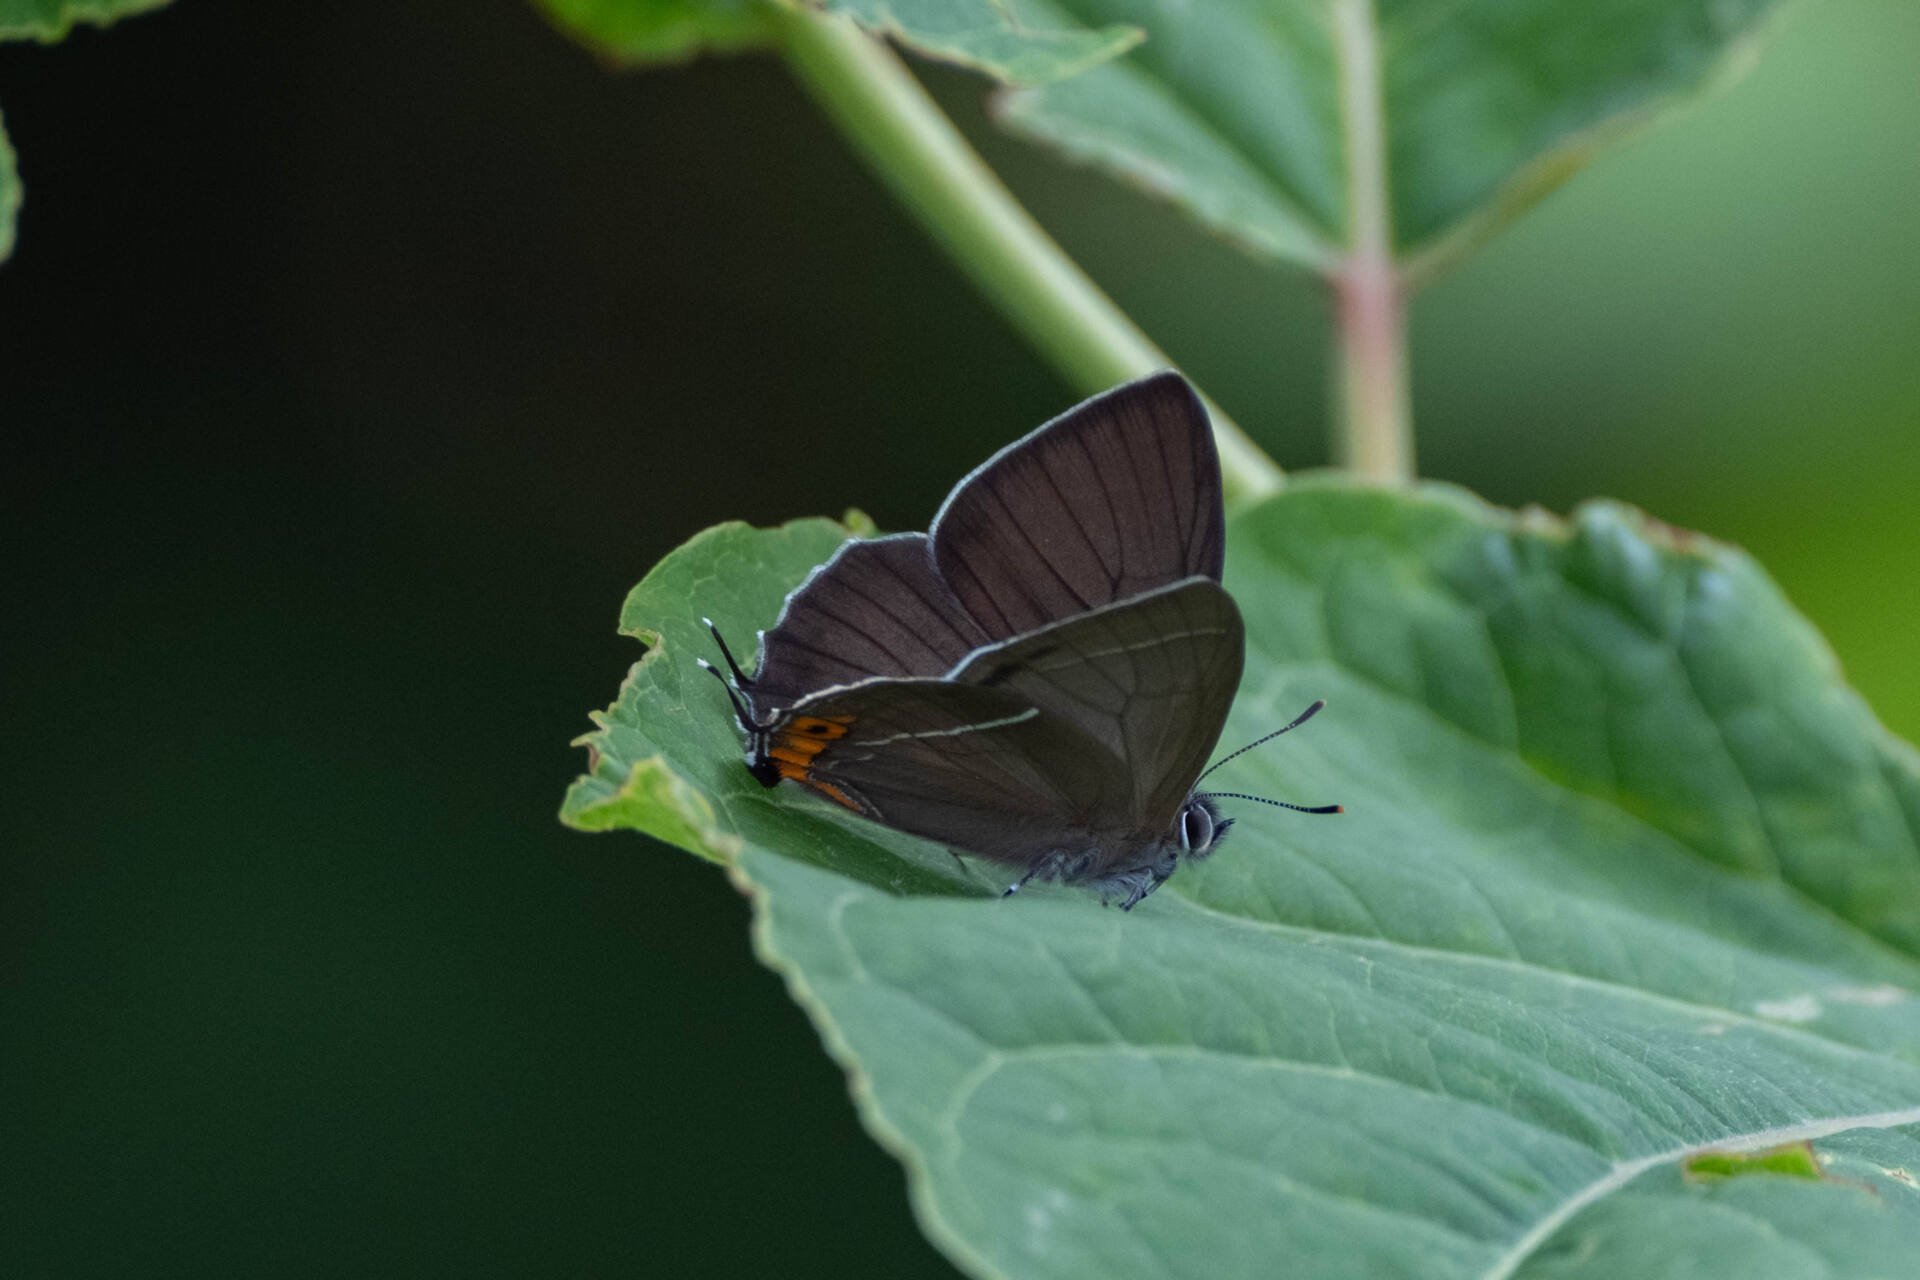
353,362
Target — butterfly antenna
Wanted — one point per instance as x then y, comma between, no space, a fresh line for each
739,707
1298,720
740,678
1278,804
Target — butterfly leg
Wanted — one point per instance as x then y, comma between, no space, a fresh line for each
1047,868
965,869
1139,884
1143,887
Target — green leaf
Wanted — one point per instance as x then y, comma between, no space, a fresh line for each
50,20
651,31
1627,875
1256,116
998,37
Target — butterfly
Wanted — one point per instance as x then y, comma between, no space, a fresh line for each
1039,679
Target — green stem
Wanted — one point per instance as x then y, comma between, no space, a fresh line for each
910,143
1373,426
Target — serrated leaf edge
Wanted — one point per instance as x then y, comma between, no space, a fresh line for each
1120,37
920,1195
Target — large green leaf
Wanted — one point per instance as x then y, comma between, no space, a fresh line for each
1627,874
1255,115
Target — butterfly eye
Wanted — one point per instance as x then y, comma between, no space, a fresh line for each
1196,829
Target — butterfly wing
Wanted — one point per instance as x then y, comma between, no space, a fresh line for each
877,608
1149,679
979,768
1042,674
1113,498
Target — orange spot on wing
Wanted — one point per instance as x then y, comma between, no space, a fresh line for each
796,743
834,793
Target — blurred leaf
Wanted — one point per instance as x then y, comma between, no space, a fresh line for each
1234,109
9,193
994,36
987,35
1627,875
644,31
49,20
45,21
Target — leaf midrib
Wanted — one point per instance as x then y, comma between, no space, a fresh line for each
995,1057
1624,1172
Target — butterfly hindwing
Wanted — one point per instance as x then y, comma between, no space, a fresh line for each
1150,679
977,768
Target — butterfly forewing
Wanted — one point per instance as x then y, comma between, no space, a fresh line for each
1116,497
1150,679
877,608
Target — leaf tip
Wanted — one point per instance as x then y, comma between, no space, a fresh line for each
653,798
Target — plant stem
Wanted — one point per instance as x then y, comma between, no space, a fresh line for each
875,101
1373,423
